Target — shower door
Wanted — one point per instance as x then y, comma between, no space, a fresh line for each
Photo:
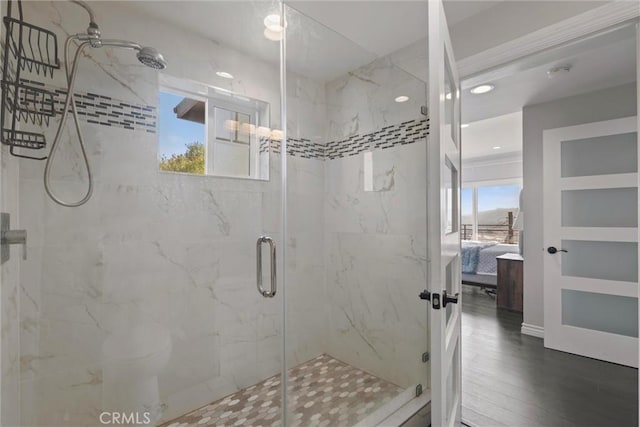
356,332
141,306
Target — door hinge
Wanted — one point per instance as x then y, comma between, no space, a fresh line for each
424,111
425,357
418,390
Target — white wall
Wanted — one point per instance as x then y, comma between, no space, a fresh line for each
591,107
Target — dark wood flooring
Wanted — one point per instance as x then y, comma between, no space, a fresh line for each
510,379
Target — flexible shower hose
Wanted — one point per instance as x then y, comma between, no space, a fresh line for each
69,102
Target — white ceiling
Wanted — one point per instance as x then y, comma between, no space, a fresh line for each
326,38
597,63
480,138
457,11
499,23
380,27
313,50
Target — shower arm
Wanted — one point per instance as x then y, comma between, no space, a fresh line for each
85,6
121,43
93,32
97,42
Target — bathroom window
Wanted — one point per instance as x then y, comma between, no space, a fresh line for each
181,141
210,131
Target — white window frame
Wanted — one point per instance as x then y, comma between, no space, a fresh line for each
213,141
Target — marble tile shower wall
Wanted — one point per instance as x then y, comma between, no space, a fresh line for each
9,297
306,290
153,254
375,235
9,304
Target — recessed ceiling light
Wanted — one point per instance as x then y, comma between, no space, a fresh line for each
497,147
402,98
464,125
275,36
448,95
224,74
482,89
273,23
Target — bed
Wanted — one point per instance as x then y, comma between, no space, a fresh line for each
479,264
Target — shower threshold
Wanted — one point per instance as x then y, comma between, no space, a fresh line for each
322,392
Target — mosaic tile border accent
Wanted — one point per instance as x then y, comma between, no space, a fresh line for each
305,148
322,392
297,147
106,111
408,132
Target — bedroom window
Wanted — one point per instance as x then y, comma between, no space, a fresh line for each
489,212
468,218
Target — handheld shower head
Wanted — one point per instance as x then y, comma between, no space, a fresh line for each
93,38
149,56
152,58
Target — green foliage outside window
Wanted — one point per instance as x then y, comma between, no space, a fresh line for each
191,161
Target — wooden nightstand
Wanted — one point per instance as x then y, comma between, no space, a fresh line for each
509,292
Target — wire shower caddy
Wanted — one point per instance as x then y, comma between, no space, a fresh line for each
32,49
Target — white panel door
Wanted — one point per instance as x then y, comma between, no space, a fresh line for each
443,157
591,238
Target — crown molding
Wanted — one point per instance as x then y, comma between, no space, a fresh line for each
494,159
592,21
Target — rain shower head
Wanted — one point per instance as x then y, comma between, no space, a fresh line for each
150,57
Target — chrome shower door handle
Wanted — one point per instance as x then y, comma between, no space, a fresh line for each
272,258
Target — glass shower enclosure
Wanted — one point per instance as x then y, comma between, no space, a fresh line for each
255,241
